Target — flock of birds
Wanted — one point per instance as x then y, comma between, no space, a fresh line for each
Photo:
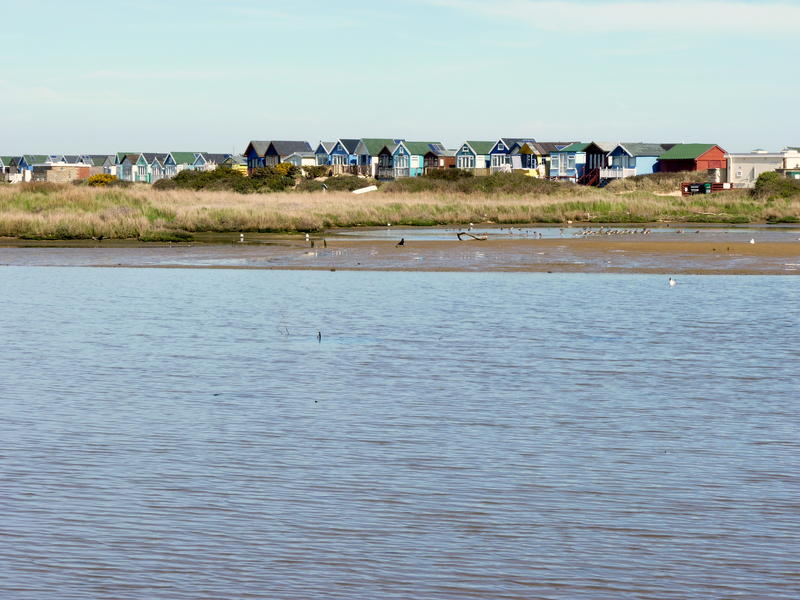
585,232
588,231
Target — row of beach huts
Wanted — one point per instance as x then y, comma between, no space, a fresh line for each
589,163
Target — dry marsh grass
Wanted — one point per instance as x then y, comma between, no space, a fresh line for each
70,212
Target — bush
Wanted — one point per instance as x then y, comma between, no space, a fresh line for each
310,185
449,174
498,183
656,182
264,179
772,185
317,171
101,180
270,179
287,170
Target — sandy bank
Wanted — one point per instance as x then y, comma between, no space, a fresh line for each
588,255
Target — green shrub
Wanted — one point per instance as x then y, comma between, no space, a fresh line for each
264,179
310,185
498,183
772,185
317,171
656,182
449,174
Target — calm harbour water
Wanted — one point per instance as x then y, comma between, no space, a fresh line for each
183,434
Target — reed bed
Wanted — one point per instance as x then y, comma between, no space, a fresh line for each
71,212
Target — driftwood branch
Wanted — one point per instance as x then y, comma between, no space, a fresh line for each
474,237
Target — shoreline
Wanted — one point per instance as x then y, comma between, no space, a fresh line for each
497,254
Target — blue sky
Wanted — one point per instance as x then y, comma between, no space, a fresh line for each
90,76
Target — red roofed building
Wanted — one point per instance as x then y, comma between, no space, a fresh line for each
692,157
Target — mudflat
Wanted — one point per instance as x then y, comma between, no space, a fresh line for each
704,253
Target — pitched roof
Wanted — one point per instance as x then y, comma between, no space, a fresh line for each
508,141
72,158
575,147
121,156
35,159
480,147
350,145
422,148
184,158
375,145
686,151
442,152
260,146
644,149
6,160
151,156
326,146
545,148
235,160
603,146
287,147
97,160
214,157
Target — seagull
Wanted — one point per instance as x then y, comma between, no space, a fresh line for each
402,242
307,237
241,238
672,282
752,241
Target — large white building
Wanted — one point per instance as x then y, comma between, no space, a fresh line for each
744,168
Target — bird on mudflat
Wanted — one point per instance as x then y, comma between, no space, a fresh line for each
402,242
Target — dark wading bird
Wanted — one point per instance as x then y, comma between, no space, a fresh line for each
402,242
99,238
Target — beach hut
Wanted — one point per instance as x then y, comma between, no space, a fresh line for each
236,163
368,151
533,158
474,156
208,161
344,154
408,158
323,153
633,158
436,159
278,150
175,162
302,159
568,163
692,157
500,154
